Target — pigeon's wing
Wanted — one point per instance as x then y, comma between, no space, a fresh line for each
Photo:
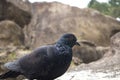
14,66
39,61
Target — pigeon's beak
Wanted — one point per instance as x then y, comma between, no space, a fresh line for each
77,44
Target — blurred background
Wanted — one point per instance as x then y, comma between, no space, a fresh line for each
28,24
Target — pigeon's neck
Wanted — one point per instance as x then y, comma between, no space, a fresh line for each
61,44
63,49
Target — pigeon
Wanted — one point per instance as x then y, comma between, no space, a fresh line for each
44,63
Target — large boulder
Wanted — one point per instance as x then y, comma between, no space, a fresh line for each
24,5
110,60
9,11
51,20
11,34
87,52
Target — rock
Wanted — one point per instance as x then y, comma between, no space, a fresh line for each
43,20
111,58
9,11
51,20
24,5
90,75
87,52
11,34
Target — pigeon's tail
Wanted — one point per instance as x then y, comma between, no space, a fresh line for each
9,74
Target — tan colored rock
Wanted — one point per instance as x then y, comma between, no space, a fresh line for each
51,20
10,11
111,58
10,34
87,52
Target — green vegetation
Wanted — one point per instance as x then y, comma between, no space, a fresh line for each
111,8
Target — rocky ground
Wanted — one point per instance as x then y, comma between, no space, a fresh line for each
111,73
91,75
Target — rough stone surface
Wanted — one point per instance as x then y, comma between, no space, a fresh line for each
51,20
87,52
9,11
91,75
24,5
10,34
41,21
110,59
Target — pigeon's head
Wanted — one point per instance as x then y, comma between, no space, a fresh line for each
68,39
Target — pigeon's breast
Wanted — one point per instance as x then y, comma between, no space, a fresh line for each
64,56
